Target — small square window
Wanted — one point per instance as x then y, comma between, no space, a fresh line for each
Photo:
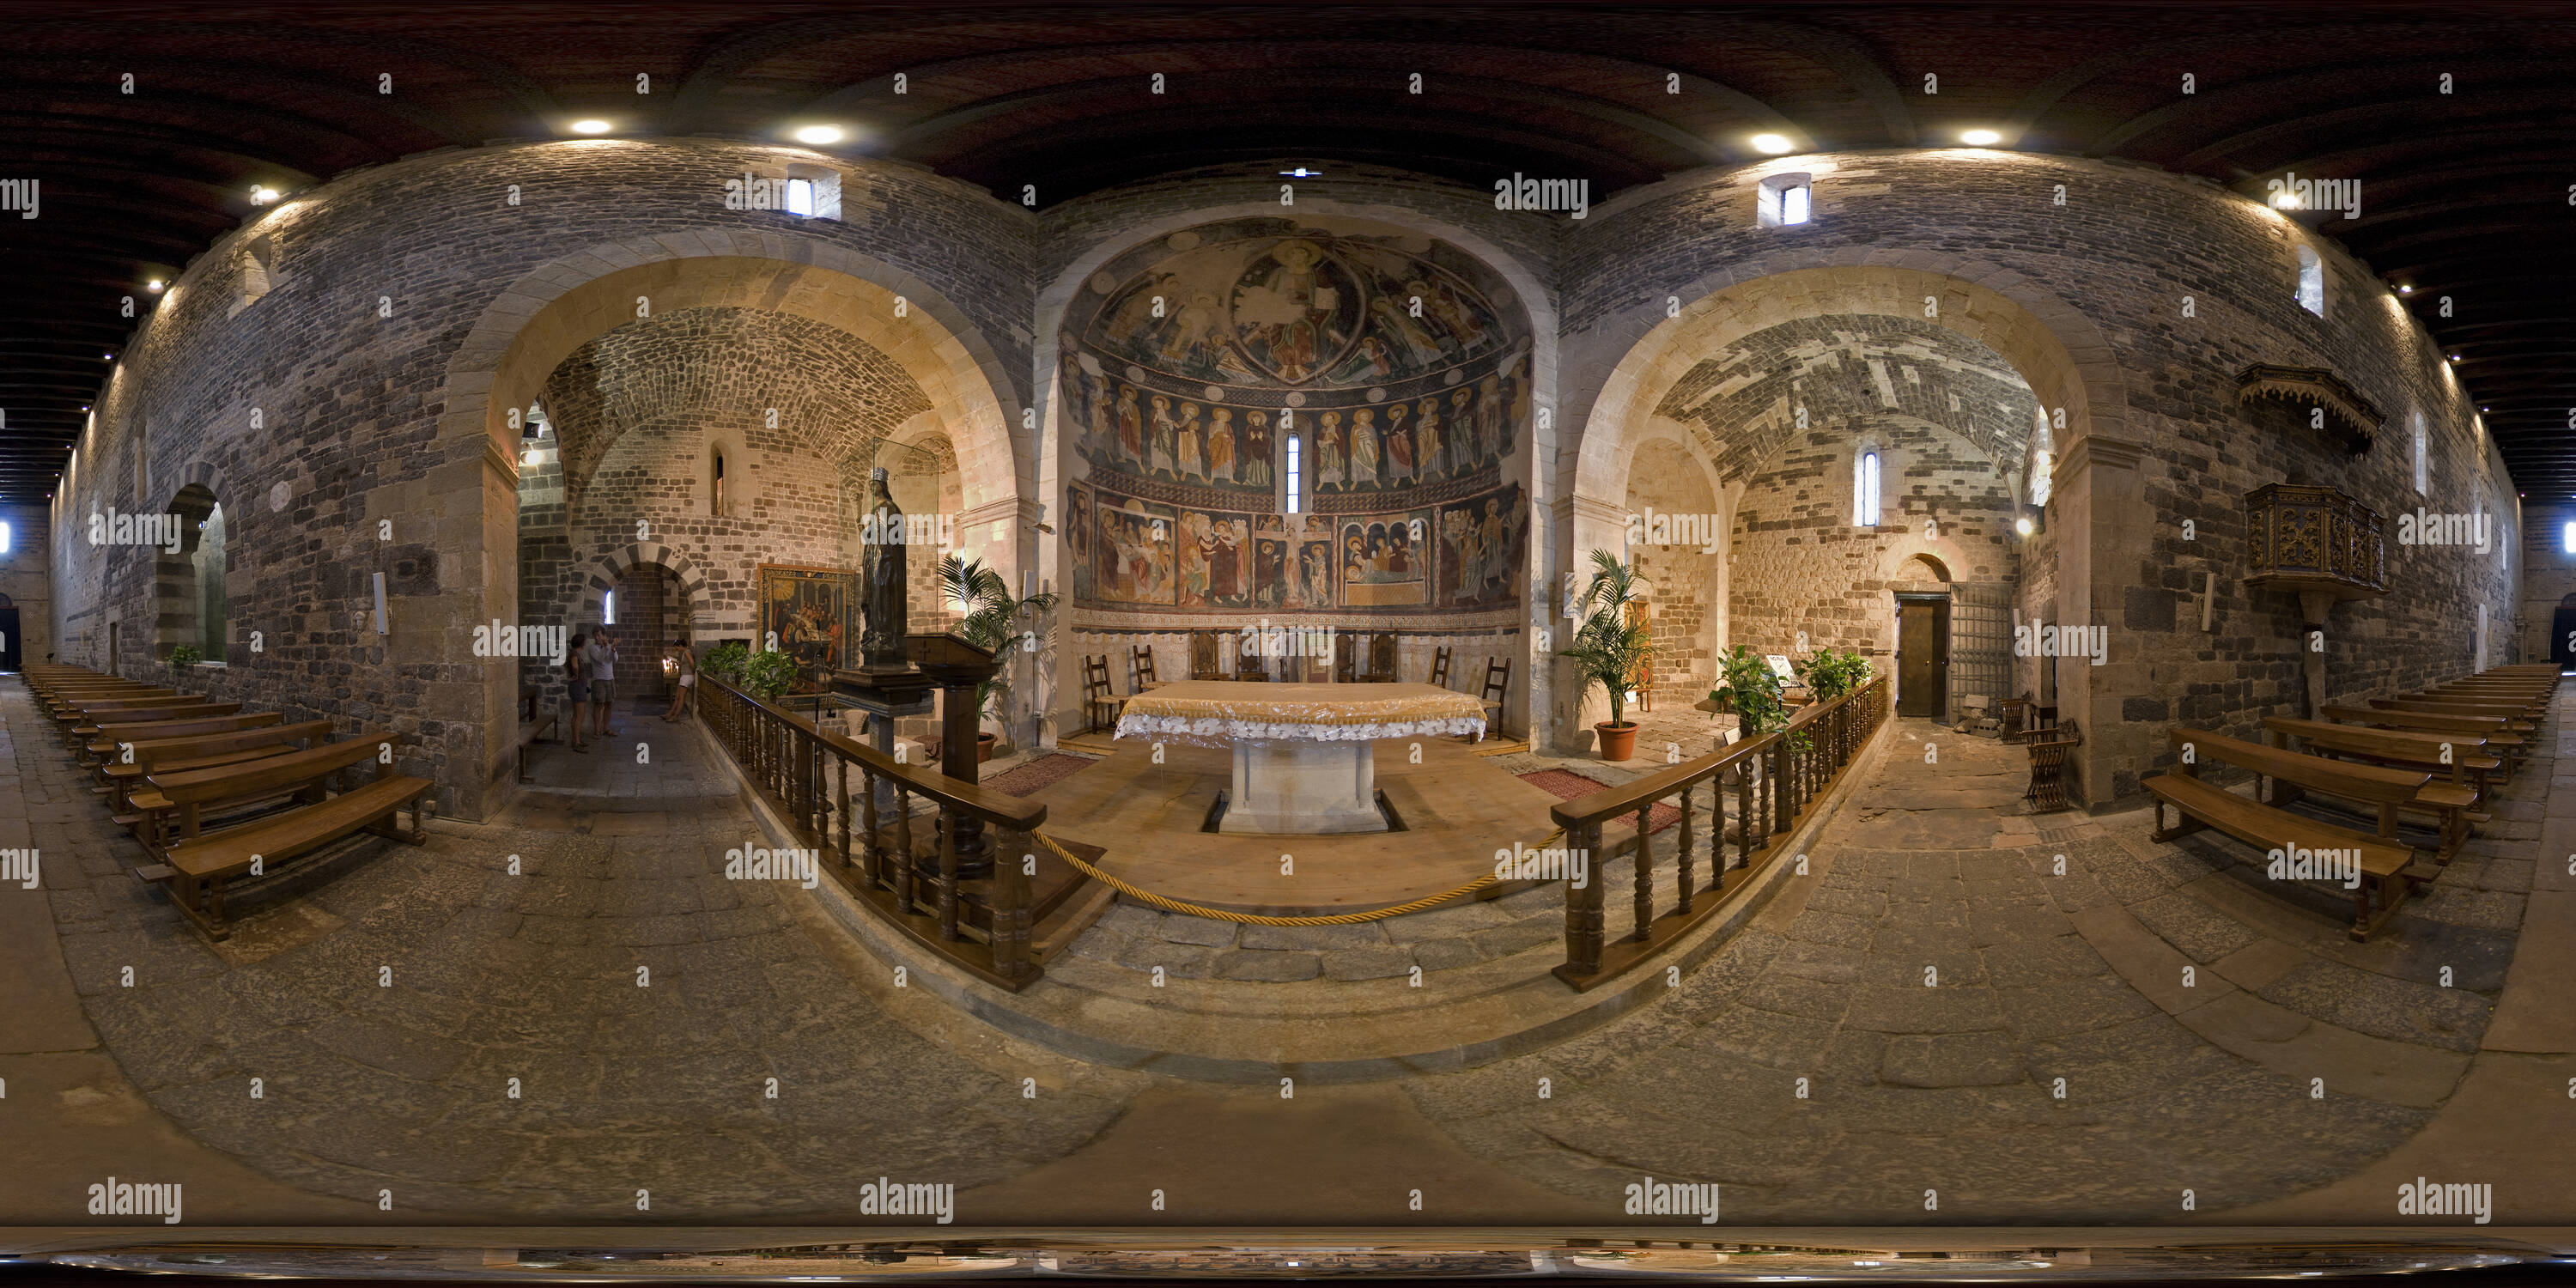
800,197
1787,199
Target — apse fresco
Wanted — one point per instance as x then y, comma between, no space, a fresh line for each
1398,362
1132,552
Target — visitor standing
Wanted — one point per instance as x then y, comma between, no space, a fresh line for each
577,682
601,655
688,664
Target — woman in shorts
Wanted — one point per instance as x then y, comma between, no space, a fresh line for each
688,684
577,678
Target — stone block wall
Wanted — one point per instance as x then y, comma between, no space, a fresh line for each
329,388
2548,576
25,579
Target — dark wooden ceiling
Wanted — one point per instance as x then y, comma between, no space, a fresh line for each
2467,193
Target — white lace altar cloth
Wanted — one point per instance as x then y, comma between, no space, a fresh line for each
1217,712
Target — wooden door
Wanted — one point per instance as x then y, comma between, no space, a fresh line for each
1922,657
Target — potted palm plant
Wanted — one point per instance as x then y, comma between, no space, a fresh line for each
983,598
1609,648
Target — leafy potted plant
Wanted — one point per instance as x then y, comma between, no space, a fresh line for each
983,598
1832,673
1609,648
186,655
768,673
726,661
1750,689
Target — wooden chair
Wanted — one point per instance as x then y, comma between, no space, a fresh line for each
1203,656
1382,658
1345,662
1101,706
1498,682
1440,667
2049,747
1141,670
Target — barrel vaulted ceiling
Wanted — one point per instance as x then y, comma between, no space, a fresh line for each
2467,192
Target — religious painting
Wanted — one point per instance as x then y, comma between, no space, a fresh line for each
1482,543
1384,559
1272,587
1080,539
1132,554
1215,560
1313,584
1295,310
811,615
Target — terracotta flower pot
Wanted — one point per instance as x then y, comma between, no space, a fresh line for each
983,747
1618,742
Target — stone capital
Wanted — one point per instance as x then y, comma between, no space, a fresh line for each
2116,453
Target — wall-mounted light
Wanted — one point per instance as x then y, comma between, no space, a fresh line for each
815,134
153,286
2022,525
1771,144
261,194
1980,138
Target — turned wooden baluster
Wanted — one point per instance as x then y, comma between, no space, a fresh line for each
903,875
1583,905
1645,899
841,786
1682,856
948,819
1012,912
872,853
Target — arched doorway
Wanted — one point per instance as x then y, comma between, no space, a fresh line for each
642,614
1923,638
189,581
2562,634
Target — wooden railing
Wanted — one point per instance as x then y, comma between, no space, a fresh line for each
1774,780
905,869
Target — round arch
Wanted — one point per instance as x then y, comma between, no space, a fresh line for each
2040,335
605,571
540,319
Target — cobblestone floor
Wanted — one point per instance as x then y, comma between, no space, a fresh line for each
387,1012
1936,986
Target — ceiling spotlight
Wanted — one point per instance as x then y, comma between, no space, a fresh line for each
811,134
590,127
107,357
153,285
2455,357
1301,172
1980,138
2406,290
1771,144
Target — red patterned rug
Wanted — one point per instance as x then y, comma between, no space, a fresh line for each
1039,774
1565,785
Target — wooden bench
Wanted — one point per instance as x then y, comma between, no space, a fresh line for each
102,722
174,803
2387,863
101,751
2458,764
2511,746
195,868
533,731
2514,719
138,760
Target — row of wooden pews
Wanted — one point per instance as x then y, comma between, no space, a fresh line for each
216,795
2438,755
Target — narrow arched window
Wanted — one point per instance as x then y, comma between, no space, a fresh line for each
2312,282
2423,467
715,486
2567,538
1296,473
608,609
1865,489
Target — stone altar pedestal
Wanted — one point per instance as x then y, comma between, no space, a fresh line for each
1314,788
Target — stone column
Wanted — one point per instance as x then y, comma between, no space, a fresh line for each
1590,524
2105,545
